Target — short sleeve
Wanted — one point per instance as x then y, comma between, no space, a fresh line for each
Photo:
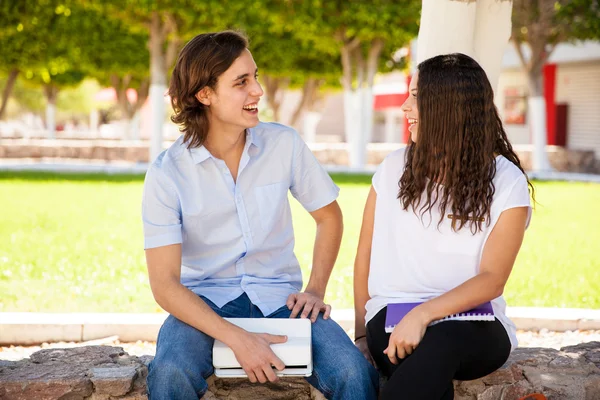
161,211
311,185
518,196
377,177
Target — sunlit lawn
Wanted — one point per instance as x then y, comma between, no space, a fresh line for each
74,243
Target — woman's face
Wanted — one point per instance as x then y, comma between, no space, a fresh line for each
410,108
233,104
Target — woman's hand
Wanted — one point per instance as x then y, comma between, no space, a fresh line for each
406,335
364,349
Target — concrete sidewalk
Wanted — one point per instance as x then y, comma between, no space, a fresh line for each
34,328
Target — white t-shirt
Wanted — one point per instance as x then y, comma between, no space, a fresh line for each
414,260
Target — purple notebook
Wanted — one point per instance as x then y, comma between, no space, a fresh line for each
397,311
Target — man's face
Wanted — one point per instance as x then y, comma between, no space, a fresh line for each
233,104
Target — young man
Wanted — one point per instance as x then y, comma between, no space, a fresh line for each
218,232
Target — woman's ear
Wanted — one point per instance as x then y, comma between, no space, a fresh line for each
203,96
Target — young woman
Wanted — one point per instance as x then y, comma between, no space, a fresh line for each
219,238
442,226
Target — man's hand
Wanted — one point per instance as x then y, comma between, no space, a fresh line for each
309,304
364,349
254,354
406,335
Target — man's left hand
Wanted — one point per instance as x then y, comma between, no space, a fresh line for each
309,304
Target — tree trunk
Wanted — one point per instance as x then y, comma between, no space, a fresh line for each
142,95
51,93
10,83
537,121
275,88
371,71
480,29
536,102
352,112
306,107
438,19
158,82
309,91
130,110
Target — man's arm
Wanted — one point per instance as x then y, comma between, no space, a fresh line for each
251,350
330,227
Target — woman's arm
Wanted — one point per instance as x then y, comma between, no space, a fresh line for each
498,258
499,254
362,264
361,275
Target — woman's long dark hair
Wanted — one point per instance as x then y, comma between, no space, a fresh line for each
460,134
199,65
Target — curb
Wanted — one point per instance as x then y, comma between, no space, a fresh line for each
35,328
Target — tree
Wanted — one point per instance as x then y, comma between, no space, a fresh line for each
118,57
51,63
24,29
360,33
168,25
542,25
286,62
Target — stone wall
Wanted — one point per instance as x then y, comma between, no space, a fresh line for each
108,373
104,150
562,160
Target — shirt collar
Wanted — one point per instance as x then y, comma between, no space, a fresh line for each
200,154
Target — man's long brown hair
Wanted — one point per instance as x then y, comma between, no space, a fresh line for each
199,65
460,135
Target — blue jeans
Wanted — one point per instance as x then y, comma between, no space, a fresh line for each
183,359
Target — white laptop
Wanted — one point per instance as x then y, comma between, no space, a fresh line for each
296,353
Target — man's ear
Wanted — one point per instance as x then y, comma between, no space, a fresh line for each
203,96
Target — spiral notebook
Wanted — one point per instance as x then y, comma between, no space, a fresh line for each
397,311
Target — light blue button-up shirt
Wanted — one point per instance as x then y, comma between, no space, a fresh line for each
236,236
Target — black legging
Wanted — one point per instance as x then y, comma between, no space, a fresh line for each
462,350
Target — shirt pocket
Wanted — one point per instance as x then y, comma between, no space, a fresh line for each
271,200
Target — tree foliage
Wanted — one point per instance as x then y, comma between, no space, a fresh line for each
544,24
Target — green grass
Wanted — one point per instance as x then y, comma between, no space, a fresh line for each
74,243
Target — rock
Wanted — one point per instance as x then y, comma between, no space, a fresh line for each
108,373
73,374
115,381
491,393
570,374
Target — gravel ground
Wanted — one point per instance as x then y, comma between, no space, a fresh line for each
543,338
